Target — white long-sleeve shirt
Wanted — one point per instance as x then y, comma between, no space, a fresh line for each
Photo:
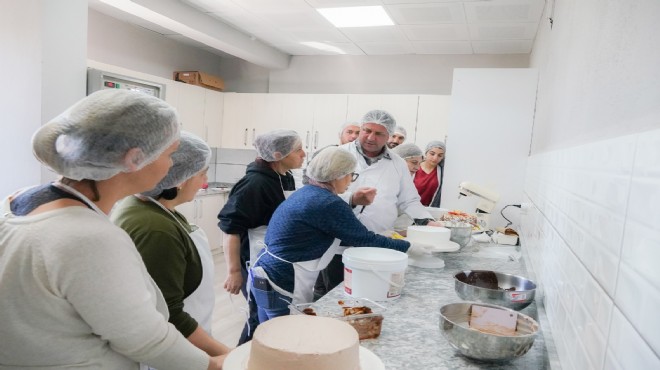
75,293
395,191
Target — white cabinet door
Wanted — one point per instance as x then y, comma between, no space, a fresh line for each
329,116
298,115
236,118
190,104
432,119
213,106
359,104
207,218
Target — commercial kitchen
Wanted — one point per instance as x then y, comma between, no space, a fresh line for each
551,103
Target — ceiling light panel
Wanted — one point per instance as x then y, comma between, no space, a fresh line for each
427,13
442,47
504,11
436,32
357,16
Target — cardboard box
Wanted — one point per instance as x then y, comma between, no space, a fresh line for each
200,79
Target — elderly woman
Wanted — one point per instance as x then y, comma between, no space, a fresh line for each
177,254
412,154
305,232
75,292
251,203
428,180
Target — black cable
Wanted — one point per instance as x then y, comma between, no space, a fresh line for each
502,213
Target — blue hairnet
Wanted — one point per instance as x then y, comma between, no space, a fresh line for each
407,150
380,117
92,138
435,144
330,164
273,146
192,156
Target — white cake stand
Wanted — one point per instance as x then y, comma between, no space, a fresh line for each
238,359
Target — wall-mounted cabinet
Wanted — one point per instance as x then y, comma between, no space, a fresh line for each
200,110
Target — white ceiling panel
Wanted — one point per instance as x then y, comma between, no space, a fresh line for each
436,32
499,31
502,47
421,26
374,34
504,11
442,47
427,13
386,48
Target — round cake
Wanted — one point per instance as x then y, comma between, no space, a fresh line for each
429,235
302,342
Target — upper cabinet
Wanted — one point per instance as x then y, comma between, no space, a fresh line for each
247,115
200,110
213,110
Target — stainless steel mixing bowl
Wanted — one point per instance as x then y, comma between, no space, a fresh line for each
454,325
461,232
494,287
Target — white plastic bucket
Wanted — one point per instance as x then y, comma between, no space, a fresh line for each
374,273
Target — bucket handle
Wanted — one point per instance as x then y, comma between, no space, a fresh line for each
387,280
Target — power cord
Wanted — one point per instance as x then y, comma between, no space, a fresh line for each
502,213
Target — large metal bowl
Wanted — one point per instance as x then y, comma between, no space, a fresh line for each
460,232
494,287
454,325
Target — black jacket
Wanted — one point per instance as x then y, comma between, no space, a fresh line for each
253,200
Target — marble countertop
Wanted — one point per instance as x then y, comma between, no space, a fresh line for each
411,337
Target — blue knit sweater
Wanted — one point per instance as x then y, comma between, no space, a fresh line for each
304,226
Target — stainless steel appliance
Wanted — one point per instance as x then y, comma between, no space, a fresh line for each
98,80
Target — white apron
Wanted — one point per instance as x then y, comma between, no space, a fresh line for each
199,304
306,273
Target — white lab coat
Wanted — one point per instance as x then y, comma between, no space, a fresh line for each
396,191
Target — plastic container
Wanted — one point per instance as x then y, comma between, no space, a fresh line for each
374,273
368,325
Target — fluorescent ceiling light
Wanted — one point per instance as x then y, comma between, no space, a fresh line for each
357,16
324,47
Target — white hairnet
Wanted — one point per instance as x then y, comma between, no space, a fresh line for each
275,145
407,150
382,118
330,164
435,144
401,130
349,123
92,138
192,156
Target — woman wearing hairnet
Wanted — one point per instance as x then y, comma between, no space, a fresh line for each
251,203
75,292
177,254
428,180
304,235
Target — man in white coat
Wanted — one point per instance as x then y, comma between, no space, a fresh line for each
383,188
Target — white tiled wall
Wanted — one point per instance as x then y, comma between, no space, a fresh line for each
591,227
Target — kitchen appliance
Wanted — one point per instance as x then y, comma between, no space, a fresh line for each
487,200
99,80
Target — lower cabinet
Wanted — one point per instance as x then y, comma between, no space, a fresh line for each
203,212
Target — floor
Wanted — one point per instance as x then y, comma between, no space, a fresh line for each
228,314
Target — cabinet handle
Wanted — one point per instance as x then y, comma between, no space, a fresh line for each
306,139
316,139
254,133
245,138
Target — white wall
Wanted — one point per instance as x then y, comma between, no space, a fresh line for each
490,128
593,182
392,74
42,46
124,45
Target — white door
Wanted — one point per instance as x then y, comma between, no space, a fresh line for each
329,116
298,115
213,104
190,104
236,121
432,119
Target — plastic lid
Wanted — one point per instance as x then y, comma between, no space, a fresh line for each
374,255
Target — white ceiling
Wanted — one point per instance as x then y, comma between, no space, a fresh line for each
421,26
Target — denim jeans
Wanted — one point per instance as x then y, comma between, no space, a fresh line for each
270,303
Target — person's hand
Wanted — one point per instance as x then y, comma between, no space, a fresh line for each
435,223
233,282
215,363
419,249
363,196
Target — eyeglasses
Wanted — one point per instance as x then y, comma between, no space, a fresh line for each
354,176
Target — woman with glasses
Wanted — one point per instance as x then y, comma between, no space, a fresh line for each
304,234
